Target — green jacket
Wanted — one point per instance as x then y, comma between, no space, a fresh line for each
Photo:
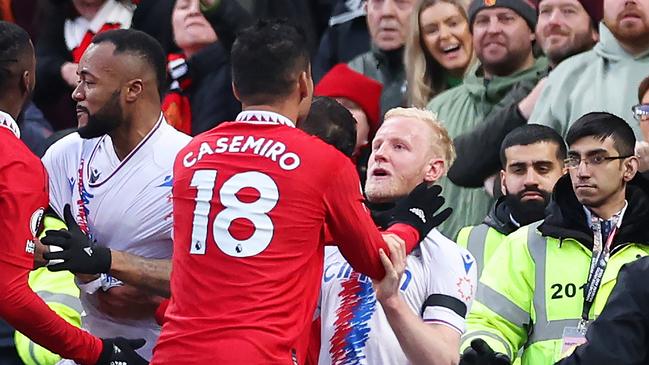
534,289
61,294
605,78
386,68
461,109
483,240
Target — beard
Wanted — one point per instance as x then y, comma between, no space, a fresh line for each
526,212
506,66
637,34
105,120
581,43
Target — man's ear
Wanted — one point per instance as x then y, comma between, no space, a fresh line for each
305,85
25,82
235,92
134,90
503,185
630,168
435,169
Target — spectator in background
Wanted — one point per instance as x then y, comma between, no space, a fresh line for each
641,114
439,47
345,38
387,21
564,28
503,34
605,78
361,96
200,94
532,161
64,38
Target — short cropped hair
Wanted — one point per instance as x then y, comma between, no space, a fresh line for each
15,45
601,125
530,134
442,145
267,59
332,122
140,44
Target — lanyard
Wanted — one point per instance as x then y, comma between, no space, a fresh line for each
598,263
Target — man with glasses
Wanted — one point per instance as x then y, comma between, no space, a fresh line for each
552,277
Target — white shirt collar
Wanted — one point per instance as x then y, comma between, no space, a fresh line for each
8,122
263,117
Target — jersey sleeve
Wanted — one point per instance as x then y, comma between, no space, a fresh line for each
23,191
451,277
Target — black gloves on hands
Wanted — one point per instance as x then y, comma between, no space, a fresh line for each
78,255
120,351
481,354
417,210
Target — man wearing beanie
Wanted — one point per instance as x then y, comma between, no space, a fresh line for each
564,28
605,78
503,35
388,23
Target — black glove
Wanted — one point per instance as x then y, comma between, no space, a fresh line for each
481,354
418,210
78,255
120,351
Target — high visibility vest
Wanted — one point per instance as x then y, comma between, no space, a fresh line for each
61,294
533,289
482,241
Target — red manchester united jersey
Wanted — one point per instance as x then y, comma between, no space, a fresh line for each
23,199
251,199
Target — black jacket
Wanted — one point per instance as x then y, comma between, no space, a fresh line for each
620,335
499,217
478,151
565,216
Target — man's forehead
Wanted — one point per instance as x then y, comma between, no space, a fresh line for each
99,58
592,143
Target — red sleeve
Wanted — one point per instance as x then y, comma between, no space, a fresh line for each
353,229
23,193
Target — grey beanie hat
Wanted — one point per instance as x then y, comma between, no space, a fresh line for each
522,7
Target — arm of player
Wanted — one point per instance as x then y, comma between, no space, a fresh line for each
79,256
423,343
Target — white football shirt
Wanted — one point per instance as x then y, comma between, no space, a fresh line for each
124,205
439,285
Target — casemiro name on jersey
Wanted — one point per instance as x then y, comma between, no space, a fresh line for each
274,150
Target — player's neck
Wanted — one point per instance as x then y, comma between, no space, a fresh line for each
132,132
10,106
284,109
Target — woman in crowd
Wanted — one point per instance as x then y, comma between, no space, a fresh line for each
439,47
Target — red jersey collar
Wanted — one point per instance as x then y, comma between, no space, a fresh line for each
265,117
6,121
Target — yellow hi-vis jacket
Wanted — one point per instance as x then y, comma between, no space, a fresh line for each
533,288
61,294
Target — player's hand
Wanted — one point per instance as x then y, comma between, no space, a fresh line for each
481,354
120,351
69,73
77,253
419,209
387,289
39,250
127,302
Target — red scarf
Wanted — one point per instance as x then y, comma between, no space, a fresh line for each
175,104
87,39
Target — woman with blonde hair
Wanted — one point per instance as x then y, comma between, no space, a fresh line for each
439,49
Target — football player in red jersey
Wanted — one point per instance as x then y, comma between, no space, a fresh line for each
23,199
251,201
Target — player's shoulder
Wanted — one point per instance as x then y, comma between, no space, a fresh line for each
166,147
444,252
13,150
